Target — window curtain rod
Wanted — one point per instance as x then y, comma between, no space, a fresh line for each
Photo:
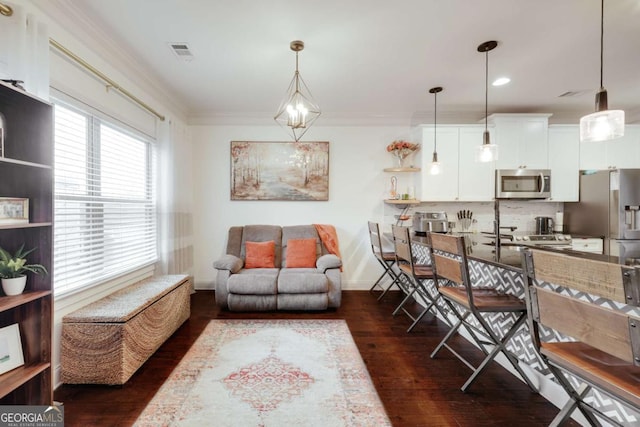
5,10
102,76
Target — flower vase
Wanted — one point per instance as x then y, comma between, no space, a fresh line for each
14,285
400,156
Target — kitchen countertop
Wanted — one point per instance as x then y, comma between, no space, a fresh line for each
510,256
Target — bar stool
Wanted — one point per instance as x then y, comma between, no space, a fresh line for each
469,304
416,275
386,259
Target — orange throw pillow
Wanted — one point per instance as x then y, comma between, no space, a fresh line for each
260,254
301,253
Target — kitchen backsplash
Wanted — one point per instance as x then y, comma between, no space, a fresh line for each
515,213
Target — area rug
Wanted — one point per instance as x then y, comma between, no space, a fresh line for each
269,373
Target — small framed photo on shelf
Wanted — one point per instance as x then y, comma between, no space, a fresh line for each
10,348
14,210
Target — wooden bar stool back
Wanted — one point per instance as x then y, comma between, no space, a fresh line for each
416,276
602,347
386,259
471,304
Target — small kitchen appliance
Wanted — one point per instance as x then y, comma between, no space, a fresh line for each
435,222
544,225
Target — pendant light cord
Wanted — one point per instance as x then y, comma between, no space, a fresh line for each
601,40
435,124
486,90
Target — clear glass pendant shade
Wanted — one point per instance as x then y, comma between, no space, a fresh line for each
435,167
487,152
602,126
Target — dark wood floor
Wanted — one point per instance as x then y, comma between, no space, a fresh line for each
415,390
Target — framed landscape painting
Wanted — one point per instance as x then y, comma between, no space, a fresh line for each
280,170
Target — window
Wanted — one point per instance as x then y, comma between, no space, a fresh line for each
104,211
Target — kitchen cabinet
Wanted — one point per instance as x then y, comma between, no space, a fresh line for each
26,171
522,140
442,187
476,179
564,162
587,244
462,178
620,153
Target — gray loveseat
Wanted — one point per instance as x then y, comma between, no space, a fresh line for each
316,287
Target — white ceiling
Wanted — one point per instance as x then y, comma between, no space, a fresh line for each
377,59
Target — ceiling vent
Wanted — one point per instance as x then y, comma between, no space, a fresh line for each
182,51
572,93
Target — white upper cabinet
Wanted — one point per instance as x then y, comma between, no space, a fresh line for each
442,187
462,179
522,140
564,162
477,180
620,153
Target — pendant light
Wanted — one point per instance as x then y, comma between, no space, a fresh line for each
298,110
604,124
487,152
435,168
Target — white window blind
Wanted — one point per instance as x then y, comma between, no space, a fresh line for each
104,211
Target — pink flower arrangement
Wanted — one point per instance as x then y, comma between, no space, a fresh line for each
403,146
402,149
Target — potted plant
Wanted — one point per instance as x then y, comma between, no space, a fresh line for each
13,269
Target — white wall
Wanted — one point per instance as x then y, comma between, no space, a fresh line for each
357,187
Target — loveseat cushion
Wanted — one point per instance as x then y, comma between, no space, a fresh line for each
328,261
302,281
255,281
228,262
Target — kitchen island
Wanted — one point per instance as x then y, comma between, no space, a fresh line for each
506,274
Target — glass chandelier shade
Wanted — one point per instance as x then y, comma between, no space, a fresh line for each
487,152
435,167
298,111
604,124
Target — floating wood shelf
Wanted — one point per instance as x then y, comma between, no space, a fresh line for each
402,202
402,169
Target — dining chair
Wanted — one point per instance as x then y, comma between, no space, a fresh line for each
387,260
472,306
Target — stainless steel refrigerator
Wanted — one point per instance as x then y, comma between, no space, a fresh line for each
608,208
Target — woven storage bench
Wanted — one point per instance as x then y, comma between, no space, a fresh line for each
106,341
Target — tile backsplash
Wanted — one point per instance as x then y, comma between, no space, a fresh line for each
516,213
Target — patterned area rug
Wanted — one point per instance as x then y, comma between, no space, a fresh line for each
269,373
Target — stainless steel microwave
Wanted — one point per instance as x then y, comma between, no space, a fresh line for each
523,183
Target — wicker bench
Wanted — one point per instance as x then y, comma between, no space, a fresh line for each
106,341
